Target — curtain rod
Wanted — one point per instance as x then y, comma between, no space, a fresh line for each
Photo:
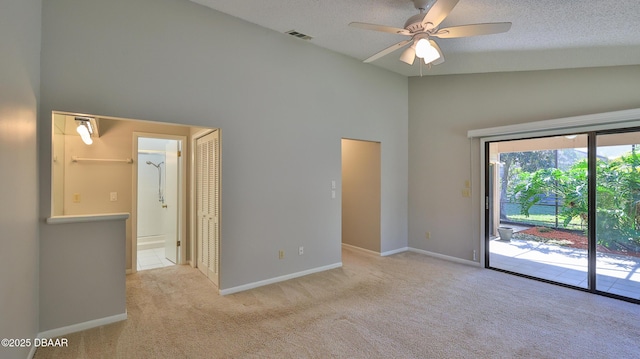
80,159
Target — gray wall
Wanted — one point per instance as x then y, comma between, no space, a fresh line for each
441,157
19,96
282,106
82,277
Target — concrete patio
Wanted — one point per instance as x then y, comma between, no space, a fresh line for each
616,274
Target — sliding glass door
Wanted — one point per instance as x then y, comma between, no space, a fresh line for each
566,209
617,214
538,206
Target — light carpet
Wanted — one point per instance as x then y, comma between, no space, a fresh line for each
403,306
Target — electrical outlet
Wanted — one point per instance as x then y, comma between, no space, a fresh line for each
281,254
300,250
76,198
113,196
427,235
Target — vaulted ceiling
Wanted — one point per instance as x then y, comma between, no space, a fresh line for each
546,34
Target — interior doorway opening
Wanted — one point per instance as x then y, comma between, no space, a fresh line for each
101,177
361,194
160,178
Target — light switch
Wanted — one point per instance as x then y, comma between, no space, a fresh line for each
333,184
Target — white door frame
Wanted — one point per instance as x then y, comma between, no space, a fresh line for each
182,194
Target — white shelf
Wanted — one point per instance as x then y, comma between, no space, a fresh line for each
87,218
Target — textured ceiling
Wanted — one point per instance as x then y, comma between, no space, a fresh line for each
546,34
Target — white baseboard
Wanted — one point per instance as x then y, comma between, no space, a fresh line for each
368,251
32,352
52,333
394,251
445,257
360,249
261,283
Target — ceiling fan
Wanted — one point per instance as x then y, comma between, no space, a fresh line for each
423,27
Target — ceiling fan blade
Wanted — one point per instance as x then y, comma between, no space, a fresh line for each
438,12
388,50
473,30
381,28
439,60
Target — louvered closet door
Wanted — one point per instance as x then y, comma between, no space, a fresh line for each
207,204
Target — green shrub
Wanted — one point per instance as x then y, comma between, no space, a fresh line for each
617,197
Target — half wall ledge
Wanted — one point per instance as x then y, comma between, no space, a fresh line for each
87,218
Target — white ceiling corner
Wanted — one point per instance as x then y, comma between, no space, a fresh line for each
546,34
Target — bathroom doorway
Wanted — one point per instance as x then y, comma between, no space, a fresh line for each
159,194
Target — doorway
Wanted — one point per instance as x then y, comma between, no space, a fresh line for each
159,193
102,177
361,198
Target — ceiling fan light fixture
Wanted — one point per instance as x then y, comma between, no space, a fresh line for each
425,51
409,55
422,28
